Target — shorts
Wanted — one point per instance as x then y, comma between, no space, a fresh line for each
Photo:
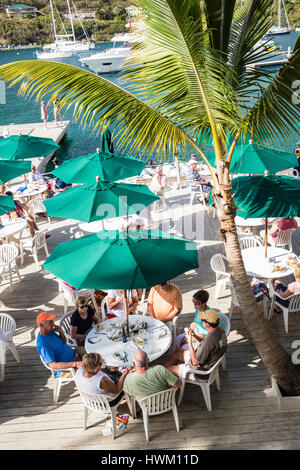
183,368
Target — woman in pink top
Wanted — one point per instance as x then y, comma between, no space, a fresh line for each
44,113
286,291
285,223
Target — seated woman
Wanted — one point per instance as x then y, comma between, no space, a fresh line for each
286,291
91,378
82,320
200,299
284,223
115,302
22,211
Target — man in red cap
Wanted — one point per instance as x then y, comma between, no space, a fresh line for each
52,347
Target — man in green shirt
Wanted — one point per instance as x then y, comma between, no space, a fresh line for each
143,380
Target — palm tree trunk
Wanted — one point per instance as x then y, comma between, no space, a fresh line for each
275,358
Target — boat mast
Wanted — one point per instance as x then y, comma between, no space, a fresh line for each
53,20
279,13
71,20
286,15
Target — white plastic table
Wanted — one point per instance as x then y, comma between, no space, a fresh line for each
97,341
258,266
117,223
12,227
33,191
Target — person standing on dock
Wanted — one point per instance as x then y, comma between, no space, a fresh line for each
44,113
57,110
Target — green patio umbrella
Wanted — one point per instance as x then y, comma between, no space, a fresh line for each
19,147
6,204
100,200
253,158
106,142
11,169
122,260
109,166
127,260
266,196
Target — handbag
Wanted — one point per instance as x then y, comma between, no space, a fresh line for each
261,287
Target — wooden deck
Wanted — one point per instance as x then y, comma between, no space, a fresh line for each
244,416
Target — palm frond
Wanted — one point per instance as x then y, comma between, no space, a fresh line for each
275,113
97,102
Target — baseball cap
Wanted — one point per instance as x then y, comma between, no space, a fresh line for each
211,316
193,161
44,316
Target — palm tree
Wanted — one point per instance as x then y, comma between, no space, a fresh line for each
194,83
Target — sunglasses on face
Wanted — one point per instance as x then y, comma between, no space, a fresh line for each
83,306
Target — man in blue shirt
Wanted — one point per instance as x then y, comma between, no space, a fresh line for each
194,179
52,347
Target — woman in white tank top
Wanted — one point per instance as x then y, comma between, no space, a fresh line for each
91,379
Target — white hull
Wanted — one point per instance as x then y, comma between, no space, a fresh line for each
54,54
277,30
71,46
108,61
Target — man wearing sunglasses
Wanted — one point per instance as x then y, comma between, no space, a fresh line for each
51,346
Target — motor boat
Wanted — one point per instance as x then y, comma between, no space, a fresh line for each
109,61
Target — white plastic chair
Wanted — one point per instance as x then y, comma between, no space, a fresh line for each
7,328
284,238
33,245
244,232
293,307
225,324
220,267
58,381
202,378
8,256
36,206
71,294
250,242
156,404
99,403
64,323
199,194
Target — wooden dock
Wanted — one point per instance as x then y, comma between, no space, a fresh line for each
244,416
53,131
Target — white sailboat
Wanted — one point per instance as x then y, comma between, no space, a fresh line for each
65,44
278,29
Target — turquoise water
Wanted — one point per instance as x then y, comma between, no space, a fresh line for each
79,141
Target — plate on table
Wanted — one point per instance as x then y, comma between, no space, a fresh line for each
94,339
277,268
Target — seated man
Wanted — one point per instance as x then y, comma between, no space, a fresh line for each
35,177
209,350
52,347
144,380
165,302
194,179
